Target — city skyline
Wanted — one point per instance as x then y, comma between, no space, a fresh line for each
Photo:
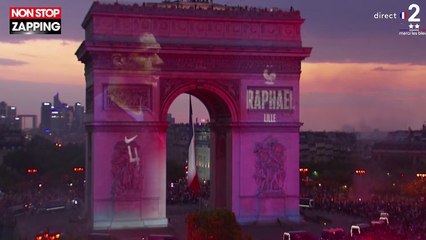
362,75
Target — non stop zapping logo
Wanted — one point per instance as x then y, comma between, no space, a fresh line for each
35,20
411,16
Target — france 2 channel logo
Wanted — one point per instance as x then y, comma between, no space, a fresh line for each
413,20
411,16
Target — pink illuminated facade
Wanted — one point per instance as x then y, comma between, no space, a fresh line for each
244,64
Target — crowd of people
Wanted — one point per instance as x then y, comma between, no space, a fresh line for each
179,193
13,204
406,215
29,201
188,7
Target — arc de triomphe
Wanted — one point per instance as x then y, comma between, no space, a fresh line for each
244,64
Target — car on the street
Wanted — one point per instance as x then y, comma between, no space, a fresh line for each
384,214
306,203
16,210
360,229
379,227
52,206
160,237
384,219
298,235
333,234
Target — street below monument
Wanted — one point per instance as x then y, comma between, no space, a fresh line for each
67,222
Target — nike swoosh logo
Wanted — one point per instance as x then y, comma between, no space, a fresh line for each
129,140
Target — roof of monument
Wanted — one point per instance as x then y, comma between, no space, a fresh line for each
195,8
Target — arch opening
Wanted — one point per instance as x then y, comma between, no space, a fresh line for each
212,155
220,106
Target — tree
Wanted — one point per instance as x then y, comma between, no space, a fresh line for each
53,162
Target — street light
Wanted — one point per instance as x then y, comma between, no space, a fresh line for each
360,171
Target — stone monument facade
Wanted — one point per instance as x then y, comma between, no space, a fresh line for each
244,64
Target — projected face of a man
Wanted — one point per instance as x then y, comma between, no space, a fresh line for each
146,60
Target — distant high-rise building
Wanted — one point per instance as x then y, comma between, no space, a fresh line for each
61,119
8,118
57,102
3,109
78,117
68,114
11,136
61,115
11,112
57,120
46,112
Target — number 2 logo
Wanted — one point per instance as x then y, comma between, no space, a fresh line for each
413,17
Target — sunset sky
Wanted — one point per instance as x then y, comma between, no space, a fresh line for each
362,75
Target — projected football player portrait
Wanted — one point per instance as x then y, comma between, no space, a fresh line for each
144,59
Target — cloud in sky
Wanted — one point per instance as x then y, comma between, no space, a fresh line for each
333,95
49,61
382,69
11,62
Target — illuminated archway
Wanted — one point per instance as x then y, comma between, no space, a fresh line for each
243,64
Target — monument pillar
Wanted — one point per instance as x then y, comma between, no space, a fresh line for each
126,155
128,176
221,166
